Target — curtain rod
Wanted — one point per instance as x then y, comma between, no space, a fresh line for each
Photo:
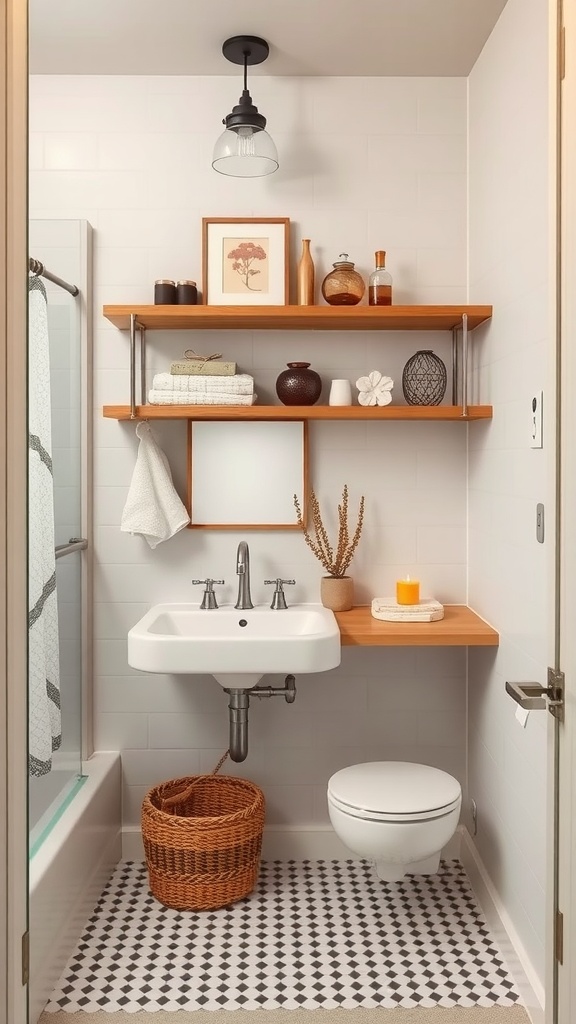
38,268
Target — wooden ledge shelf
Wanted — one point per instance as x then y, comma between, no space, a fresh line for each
299,412
460,627
298,318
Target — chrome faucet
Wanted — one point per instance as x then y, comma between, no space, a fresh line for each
243,570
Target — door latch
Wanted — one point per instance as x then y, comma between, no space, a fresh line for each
534,697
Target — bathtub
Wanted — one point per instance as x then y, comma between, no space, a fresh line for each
69,871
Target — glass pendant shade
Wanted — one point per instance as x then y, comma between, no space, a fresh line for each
245,153
245,150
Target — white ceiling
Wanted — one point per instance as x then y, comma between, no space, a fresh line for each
306,37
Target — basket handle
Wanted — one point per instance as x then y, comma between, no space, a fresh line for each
171,801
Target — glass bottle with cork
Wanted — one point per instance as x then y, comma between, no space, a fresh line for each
380,282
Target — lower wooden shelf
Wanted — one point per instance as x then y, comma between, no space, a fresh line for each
299,412
460,627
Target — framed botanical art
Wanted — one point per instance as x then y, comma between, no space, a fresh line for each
245,261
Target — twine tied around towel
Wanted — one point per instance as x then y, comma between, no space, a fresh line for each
172,801
191,354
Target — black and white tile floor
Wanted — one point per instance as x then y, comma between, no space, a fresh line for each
313,935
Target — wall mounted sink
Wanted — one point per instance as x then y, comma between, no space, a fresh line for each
237,647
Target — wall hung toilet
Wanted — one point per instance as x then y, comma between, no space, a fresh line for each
397,814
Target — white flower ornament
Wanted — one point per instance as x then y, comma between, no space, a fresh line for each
374,389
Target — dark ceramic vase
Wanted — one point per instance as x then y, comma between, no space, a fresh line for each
298,385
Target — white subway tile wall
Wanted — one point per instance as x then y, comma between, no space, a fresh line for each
119,151
509,572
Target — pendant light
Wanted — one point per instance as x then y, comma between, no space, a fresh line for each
245,150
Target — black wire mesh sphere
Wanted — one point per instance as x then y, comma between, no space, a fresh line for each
424,379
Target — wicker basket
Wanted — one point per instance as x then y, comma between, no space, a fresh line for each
202,839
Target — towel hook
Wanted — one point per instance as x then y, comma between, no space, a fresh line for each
35,267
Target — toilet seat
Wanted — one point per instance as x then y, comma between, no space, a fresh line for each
394,791
357,812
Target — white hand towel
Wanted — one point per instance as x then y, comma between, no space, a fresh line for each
153,508
196,398
238,384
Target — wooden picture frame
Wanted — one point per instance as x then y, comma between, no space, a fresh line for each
245,261
243,474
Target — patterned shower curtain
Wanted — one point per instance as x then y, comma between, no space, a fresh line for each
44,715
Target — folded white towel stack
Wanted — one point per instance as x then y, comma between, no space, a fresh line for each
187,389
153,507
237,384
198,398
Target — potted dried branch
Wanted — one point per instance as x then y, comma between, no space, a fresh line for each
337,588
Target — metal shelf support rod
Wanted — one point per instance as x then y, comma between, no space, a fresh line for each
464,364
132,366
454,366
143,395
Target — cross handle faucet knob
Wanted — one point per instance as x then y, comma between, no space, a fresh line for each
209,597
279,598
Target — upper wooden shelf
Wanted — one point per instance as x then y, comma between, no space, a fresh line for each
460,627
298,412
298,318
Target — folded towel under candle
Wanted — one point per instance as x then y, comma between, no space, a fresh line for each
238,384
156,397
388,609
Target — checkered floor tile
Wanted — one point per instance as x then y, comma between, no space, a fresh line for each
314,934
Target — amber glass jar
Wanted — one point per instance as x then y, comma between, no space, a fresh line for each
343,286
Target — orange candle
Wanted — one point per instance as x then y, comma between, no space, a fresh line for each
407,591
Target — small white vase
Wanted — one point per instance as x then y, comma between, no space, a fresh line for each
340,393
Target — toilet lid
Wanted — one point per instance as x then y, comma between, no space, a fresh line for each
394,787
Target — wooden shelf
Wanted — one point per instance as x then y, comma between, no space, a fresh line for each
298,318
460,627
299,412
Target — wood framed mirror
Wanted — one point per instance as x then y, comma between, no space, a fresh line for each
244,474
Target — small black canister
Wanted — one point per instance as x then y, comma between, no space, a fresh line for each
187,293
165,293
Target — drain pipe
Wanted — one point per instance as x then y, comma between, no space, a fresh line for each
288,691
238,704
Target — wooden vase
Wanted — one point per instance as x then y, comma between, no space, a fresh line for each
337,593
306,276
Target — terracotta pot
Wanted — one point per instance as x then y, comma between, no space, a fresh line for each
337,593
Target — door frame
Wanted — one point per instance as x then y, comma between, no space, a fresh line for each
13,462
13,495
566,981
